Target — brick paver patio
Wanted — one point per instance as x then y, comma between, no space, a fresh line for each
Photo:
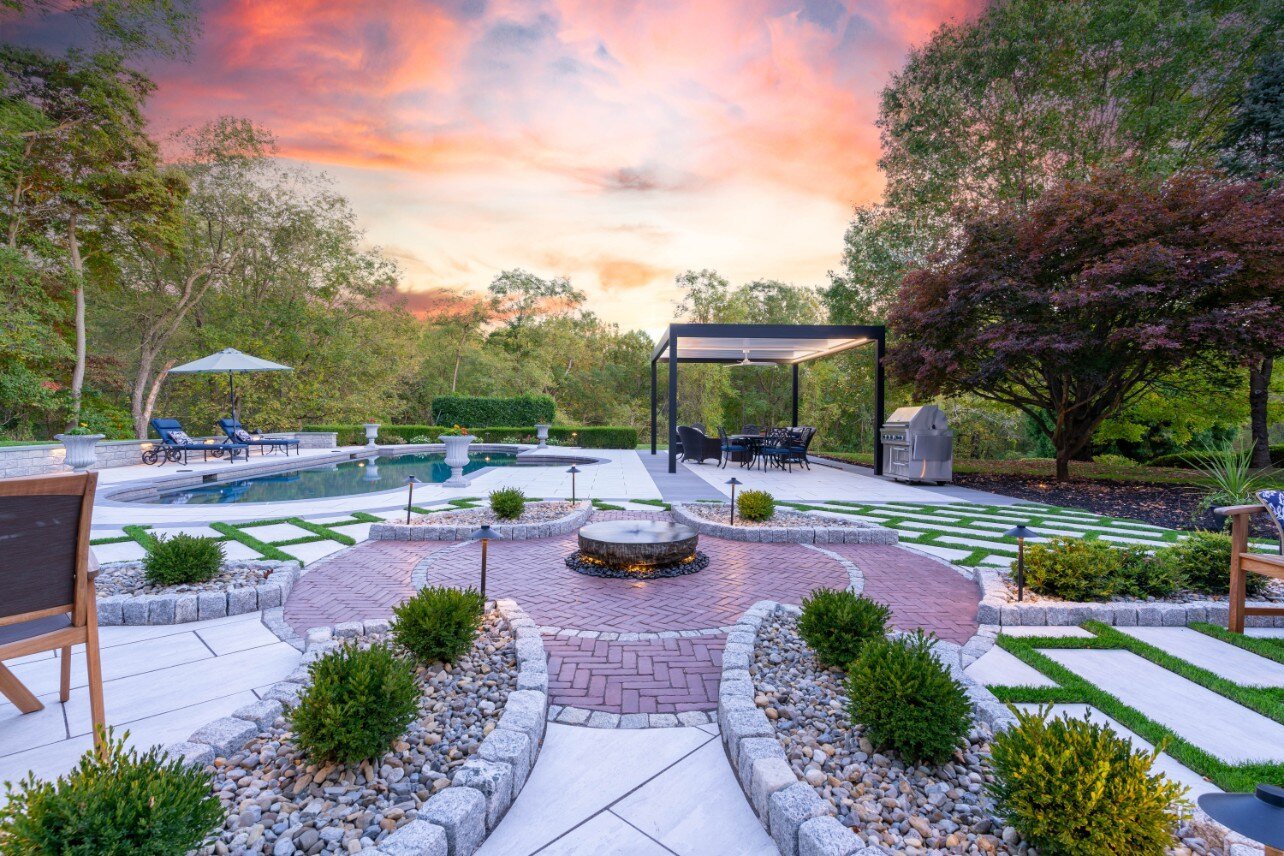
649,675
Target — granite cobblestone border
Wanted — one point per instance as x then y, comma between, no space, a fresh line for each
455,821
819,534
798,820
184,607
507,531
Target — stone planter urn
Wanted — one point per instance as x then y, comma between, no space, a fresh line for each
80,449
372,434
541,433
457,459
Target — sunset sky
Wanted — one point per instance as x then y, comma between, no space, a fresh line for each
618,143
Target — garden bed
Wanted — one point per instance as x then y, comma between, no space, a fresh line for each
713,518
538,520
126,597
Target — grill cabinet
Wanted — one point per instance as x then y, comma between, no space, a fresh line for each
918,445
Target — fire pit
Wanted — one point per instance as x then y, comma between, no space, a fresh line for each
637,549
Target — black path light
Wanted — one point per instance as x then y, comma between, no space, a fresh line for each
1020,532
733,481
1259,816
573,470
411,481
484,535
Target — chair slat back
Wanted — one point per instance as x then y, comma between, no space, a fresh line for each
44,541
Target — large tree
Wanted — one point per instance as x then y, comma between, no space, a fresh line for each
1074,308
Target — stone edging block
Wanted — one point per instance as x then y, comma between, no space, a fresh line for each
798,820
455,821
507,531
181,608
864,534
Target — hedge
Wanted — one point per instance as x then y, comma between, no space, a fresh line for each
1182,459
470,410
587,436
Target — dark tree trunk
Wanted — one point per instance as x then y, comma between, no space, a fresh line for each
1259,393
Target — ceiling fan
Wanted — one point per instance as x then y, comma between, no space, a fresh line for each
748,362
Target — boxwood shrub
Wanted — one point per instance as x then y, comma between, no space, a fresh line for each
182,559
121,803
756,505
1072,787
482,410
1202,562
508,503
438,624
837,624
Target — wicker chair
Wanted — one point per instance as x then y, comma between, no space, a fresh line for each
696,446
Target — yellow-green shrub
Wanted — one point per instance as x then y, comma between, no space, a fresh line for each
756,505
1072,568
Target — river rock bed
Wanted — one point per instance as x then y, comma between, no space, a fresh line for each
720,512
281,803
891,807
129,578
534,512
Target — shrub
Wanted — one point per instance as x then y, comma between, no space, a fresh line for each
1202,562
1072,568
123,804
837,624
1144,575
438,624
480,410
508,503
182,559
1072,787
756,505
906,700
358,702
1111,460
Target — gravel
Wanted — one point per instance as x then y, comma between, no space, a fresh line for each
720,512
274,794
535,512
128,578
892,807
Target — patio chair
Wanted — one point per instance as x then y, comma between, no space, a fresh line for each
750,429
799,442
175,445
47,584
731,447
236,433
697,447
775,448
1244,562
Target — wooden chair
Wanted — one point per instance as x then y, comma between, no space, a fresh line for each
46,585
1243,563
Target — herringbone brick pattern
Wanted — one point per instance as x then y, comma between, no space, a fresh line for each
655,676
364,582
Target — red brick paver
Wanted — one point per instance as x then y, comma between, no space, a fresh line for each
651,676
364,582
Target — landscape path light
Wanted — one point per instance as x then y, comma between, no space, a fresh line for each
1020,532
573,470
484,535
1259,816
411,481
733,481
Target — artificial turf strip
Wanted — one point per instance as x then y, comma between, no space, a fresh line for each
606,506
271,521
140,534
263,548
322,530
119,539
1270,647
658,503
1075,690
306,539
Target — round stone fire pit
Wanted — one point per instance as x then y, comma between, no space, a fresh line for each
641,549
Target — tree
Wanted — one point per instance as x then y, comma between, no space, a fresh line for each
1253,148
880,246
164,27
520,299
1074,309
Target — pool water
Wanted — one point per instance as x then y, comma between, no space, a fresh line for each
330,480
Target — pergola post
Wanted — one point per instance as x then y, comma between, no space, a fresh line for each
794,409
653,403
880,347
673,402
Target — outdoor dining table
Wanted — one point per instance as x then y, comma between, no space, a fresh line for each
754,444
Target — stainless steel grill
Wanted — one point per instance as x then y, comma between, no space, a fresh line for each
918,445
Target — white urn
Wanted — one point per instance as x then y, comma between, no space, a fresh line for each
372,434
457,458
80,449
541,433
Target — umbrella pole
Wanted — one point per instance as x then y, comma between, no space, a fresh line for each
231,392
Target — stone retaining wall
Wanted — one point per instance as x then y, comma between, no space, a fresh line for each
455,821
507,531
819,534
48,459
181,608
798,820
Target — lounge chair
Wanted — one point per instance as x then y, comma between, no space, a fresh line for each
175,445
236,433
47,583
696,446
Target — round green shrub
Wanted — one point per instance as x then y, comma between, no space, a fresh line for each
182,559
1072,787
906,699
1202,562
438,624
358,701
1144,575
508,503
757,505
118,804
1072,568
837,624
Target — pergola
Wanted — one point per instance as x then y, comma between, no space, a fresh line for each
776,344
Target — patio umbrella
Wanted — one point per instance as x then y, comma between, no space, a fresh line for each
233,362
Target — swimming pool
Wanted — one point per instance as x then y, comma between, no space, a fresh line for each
349,478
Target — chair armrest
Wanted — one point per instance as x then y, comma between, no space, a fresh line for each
1236,510
92,575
